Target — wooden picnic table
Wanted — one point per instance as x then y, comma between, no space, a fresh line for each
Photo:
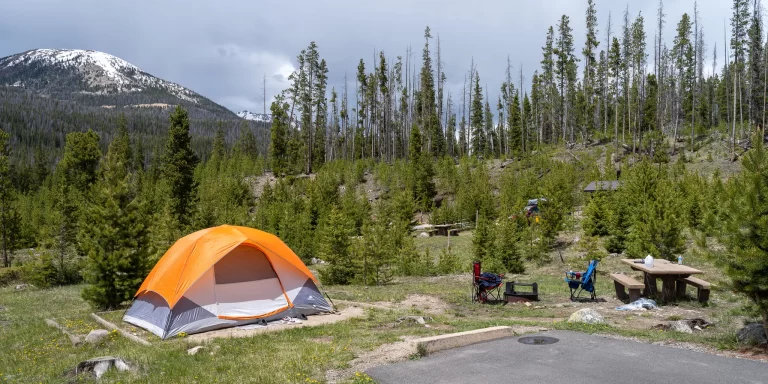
668,272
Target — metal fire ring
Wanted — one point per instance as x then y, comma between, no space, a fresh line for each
538,340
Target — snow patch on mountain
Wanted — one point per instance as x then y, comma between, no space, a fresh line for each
257,117
100,70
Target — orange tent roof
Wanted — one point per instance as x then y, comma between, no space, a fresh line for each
192,255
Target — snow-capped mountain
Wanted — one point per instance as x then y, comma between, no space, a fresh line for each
257,117
95,78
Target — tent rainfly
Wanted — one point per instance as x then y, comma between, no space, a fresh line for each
224,277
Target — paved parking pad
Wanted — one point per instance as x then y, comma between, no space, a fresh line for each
575,358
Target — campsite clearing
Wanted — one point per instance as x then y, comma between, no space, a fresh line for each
31,351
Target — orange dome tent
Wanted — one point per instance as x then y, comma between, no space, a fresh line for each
222,277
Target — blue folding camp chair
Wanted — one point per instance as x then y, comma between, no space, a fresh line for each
579,282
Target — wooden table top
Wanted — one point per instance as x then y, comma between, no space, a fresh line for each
662,267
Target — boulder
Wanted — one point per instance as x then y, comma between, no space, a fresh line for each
96,336
194,350
424,234
680,326
100,365
21,287
587,316
752,334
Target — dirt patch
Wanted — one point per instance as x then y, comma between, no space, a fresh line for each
313,320
384,354
257,183
372,190
430,304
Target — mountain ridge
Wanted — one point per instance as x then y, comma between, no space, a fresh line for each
98,79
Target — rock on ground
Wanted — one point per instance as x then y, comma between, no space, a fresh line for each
680,326
194,350
752,334
96,336
100,365
587,316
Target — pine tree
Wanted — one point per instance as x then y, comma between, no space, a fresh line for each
278,145
548,88
81,159
426,108
590,66
334,247
756,67
421,171
639,58
477,119
683,53
247,141
596,221
507,239
516,127
9,218
219,147
491,145
657,228
178,168
122,144
114,237
615,63
565,69
483,241
321,113
746,261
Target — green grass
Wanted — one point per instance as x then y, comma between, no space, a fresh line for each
31,351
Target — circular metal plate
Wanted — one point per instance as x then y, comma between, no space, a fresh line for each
538,340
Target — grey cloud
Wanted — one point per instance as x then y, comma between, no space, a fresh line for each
223,49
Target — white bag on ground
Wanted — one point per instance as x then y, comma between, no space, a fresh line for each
638,305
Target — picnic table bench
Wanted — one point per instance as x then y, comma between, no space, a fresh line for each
669,273
622,281
702,286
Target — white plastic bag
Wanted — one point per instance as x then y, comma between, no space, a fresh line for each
637,305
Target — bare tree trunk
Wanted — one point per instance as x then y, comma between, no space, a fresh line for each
733,130
522,113
741,107
695,66
765,84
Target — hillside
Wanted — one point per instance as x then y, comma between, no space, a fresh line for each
97,79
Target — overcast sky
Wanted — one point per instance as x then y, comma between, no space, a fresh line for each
222,49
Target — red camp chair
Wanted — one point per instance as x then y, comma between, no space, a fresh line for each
485,285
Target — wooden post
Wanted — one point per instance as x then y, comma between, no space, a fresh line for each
122,332
449,239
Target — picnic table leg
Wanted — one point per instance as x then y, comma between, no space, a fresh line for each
681,287
669,291
650,285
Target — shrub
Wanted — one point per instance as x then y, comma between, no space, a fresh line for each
41,273
10,275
